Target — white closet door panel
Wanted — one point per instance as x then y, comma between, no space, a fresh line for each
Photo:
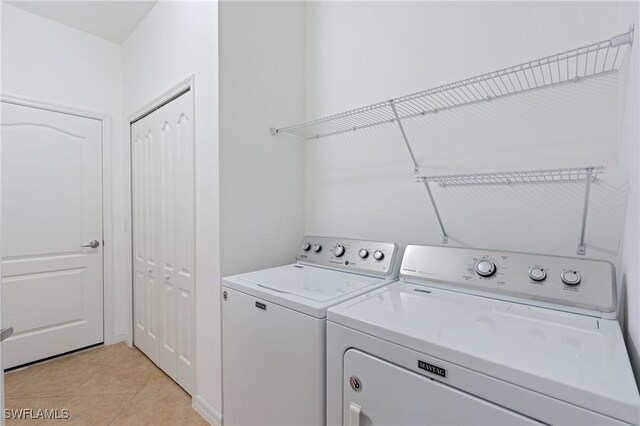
186,317
167,238
168,339
166,232
139,263
139,311
184,251
145,214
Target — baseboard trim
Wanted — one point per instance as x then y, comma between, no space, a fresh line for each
119,337
207,412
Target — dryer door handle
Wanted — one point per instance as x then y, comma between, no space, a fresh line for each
354,414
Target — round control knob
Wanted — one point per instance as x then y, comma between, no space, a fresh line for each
378,255
363,253
485,268
306,247
338,250
317,248
570,277
537,274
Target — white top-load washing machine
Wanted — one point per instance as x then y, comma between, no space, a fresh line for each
274,325
482,337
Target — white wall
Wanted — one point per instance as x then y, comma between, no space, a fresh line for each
175,40
629,260
261,176
55,64
361,184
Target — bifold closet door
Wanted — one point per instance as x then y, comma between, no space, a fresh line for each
162,170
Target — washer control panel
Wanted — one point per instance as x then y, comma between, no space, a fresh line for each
368,257
577,284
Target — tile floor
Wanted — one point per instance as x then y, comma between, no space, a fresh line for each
109,385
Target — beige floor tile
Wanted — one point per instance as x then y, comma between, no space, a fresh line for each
58,379
184,415
126,354
108,382
114,385
159,402
15,381
95,410
27,382
124,378
101,355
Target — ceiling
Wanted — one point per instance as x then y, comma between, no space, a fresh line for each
110,20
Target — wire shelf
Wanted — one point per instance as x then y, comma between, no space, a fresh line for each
589,61
521,176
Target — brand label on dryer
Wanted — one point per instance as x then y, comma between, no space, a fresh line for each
261,306
432,368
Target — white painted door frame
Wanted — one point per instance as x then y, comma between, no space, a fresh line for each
187,84
107,202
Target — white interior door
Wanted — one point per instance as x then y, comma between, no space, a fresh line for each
163,238
52,288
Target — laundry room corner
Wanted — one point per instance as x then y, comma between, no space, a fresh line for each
359,171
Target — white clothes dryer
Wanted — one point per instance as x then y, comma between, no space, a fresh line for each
482,337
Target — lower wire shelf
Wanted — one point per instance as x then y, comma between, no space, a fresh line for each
518,176
586,174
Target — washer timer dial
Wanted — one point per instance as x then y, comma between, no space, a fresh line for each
338,250
571,277
485,268
537,274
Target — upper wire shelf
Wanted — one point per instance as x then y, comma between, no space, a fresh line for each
520,176
593,60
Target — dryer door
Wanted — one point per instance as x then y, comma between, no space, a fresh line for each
376,392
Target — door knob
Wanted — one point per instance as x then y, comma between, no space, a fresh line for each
92,244
5,333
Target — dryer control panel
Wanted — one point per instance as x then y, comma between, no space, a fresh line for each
567,283
345,254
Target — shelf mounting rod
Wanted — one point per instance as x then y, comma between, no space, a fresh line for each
445,237
582,248
416,168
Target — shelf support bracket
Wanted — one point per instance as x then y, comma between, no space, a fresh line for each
416,168
445,237
582,247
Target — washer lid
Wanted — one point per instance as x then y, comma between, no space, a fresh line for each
574,358
308,289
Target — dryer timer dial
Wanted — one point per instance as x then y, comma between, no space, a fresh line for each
485,268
